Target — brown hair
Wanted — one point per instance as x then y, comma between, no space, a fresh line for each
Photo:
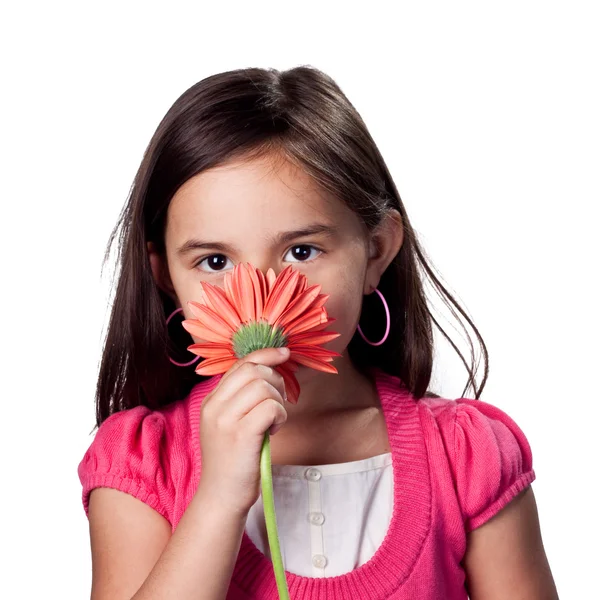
246,112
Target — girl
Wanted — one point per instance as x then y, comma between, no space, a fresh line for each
383,489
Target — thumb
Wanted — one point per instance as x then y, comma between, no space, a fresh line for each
269,357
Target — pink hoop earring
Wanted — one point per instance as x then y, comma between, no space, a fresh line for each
178,364
387,327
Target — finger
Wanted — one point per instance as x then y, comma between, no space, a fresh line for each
244,376
247,370
264,356
265,415
248,398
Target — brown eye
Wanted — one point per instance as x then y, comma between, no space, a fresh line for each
215,263
303,253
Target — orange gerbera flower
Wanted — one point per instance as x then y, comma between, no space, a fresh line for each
256,311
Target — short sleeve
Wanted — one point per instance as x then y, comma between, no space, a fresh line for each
490,458
127,454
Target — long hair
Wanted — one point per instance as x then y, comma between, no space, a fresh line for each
303,113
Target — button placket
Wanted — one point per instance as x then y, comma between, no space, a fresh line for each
319,561
312,474
316,519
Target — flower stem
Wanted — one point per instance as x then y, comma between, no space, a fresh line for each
266,480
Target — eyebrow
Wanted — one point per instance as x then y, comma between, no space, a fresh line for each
282,238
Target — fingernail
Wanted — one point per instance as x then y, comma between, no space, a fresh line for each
283,350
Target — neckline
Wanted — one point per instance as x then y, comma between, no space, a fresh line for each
396,556
361,465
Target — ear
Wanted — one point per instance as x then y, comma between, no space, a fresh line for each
384,244
160,272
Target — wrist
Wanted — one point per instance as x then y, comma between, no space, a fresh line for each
207,496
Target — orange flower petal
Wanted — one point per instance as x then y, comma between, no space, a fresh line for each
197,329
301,286
264,289
292,365
320,300
234,290
257,293
202,295
314,363
314,351
284,275
312,337
306,321
231,291
211,320
271,278
245,290
292,387
227,288
212,350
317,327
299,305
215,366
217,299
281,294
195,306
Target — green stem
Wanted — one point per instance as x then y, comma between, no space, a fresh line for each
266,480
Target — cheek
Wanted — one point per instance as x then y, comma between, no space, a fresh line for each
186,284
188,292
345,309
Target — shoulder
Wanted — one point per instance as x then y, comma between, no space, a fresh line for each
489,455
141,452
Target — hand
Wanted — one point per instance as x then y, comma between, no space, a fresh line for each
234,417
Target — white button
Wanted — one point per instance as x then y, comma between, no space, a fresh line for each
316,518
312,474
319,561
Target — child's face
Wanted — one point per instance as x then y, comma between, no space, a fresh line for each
254,211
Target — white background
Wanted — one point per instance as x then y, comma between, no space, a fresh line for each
487,114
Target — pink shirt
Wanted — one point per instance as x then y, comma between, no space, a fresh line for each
456,463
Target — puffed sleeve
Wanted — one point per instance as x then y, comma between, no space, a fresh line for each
490,458
127,454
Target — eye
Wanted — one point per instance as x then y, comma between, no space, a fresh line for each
303,252
216,262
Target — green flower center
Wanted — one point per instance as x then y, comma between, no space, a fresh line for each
255,336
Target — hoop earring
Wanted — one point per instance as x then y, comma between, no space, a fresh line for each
387,327
178,364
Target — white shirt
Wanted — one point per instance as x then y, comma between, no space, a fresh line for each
330,518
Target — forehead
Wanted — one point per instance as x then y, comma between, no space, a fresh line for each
257,197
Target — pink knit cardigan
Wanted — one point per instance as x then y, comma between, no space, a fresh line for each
456,463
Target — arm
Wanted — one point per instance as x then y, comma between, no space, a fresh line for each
135,557
505,557
134,554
